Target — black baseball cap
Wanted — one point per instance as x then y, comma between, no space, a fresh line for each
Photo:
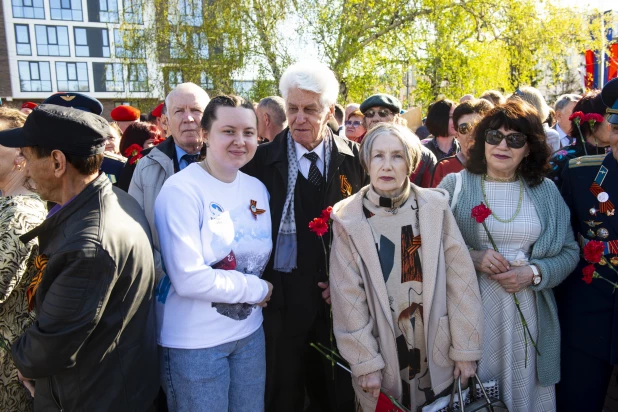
72,131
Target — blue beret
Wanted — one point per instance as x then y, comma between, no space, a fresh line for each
76,100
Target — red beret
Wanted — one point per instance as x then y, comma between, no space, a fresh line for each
157,112
125,114
29,105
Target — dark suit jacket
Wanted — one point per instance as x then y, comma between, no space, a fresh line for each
589,313
270,166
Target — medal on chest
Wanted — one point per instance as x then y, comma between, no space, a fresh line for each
605,205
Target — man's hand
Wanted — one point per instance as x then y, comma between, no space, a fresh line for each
326,291
264,303
515,280
28,383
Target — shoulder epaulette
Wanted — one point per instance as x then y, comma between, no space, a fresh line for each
592,160
115,156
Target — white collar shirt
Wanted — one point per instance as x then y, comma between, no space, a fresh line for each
304,164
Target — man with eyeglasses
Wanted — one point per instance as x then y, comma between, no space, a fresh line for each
384,108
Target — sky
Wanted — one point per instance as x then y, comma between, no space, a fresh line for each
602,5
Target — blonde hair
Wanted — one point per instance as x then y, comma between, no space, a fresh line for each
409,141
11,118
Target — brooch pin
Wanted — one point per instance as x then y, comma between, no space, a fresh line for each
592,223
605,205
345,186
254,209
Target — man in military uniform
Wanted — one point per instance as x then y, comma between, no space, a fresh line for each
112,163
588,310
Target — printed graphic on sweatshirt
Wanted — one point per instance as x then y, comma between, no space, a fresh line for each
237,237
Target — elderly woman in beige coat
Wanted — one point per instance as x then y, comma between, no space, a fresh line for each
406,303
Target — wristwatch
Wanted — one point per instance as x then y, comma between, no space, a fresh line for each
536,275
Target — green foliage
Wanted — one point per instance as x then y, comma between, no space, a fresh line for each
452,47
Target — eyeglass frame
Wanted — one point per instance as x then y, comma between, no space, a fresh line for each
355,123
470,125
510,138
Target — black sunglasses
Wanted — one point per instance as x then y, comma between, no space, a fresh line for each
381,113
514,140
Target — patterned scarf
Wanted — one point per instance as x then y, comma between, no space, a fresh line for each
286,249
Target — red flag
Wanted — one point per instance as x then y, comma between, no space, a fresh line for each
386,405
612,71
590,60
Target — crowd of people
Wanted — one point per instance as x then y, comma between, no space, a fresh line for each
223,255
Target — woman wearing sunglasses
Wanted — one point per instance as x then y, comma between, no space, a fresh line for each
530,225
355,126
465,118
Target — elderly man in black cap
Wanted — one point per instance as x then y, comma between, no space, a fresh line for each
384,108
587,302
92,346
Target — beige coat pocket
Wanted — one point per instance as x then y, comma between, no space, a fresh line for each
442,344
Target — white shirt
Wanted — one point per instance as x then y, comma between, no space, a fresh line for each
565,140
214,251
304,164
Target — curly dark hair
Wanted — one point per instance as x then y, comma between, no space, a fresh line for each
518,116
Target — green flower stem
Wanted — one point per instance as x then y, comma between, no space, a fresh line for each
521,314
331,337
581,136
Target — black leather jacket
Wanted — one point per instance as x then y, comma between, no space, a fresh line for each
92,346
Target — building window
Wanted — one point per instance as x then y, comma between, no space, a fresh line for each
28,9
174,78
180,47
22,39
205,81
186,12
66,10
91,42
52,40
138,78
104,11
72,77
108,77
132,11
129,45
34,76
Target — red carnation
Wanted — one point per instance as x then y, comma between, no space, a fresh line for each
588,272
577,116
132,150
319,226
592,119
326,213
481,212
593,251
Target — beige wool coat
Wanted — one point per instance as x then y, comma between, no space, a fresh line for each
362,319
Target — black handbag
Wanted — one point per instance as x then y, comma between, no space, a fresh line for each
477,404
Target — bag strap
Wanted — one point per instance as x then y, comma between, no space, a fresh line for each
456,192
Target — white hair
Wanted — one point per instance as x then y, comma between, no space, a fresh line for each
314,77
188,88
410,142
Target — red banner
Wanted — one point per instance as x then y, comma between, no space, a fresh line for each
590,60
612,68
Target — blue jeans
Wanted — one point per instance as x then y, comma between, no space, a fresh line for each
228,377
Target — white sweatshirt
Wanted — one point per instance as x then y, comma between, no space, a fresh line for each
214,251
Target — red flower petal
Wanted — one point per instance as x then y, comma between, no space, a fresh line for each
593,251
588,272
481,212
326,213
318,226
579,115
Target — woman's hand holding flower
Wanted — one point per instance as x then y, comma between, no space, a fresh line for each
489,261
515,280
371,383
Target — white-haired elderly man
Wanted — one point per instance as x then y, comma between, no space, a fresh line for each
185,144
305,169
564,108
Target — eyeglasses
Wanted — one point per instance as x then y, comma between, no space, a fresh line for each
465,128
513,140
381,113
354,123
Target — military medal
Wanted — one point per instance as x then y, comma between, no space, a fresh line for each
603,233
254,210
591,222
593,211
605,205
